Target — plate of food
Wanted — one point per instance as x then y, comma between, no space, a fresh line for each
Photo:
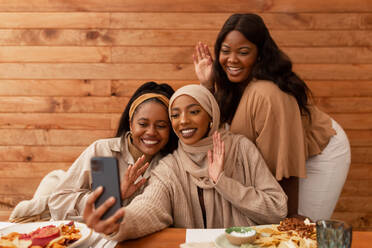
64,234
290,233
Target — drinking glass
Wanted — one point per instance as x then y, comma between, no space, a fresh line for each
333,234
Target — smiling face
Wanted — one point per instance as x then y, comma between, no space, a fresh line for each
189,120
237,56
150,127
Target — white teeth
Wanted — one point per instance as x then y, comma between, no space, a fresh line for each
234,70
150,142
187,131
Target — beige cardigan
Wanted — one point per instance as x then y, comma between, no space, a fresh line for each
249,196
271,119
68,199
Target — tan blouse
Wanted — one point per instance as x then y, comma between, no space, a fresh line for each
271,119
68,200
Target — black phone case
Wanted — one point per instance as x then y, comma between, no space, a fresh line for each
105,173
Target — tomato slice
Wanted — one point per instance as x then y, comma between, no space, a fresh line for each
44,235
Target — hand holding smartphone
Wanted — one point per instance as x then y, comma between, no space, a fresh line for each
105,173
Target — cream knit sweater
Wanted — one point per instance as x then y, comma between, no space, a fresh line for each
250,195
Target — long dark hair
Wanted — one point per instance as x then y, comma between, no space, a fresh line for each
149,87
271,64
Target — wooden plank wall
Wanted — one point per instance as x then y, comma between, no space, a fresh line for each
67,69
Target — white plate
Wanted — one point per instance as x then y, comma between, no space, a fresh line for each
222,242
29,227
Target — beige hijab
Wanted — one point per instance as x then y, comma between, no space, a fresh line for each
193,157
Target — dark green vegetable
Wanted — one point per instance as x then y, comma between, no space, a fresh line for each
239,229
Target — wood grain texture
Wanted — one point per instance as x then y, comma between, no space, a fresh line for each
345,104
52,137
55,54
360,172
96,71
77,121
156,71
36,169
354,121
341,88
300,55
54,20
117,104
63,104
175,37
214,21
128,87
40,153
186,6
171,20
360,138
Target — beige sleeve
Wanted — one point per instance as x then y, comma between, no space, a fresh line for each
280,136
147,213
69,198
263,200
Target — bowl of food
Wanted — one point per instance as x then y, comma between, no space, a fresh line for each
240,235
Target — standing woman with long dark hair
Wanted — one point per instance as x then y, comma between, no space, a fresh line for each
261,97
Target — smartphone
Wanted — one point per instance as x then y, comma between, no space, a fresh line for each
105,173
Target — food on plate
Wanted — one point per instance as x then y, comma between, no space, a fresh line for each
240,235
49,236
291,233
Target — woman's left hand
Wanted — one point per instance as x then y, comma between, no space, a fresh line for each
216,157
128,185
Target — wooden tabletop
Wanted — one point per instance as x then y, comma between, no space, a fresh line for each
173,237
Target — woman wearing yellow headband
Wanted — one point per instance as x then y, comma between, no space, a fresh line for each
143,137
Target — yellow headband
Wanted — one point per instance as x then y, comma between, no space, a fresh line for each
145,97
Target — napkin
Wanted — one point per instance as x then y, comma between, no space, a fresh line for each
201,238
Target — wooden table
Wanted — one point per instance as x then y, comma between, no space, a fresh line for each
173,237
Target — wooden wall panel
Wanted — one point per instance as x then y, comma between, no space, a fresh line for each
174,37
55,54
174,71
36,169
292,6
359,88
63,104
52,137
58,121
281,21
360,138
54,87
171,20
300,55
67,69
40,153
55,20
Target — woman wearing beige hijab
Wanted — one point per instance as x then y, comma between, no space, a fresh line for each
214,179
